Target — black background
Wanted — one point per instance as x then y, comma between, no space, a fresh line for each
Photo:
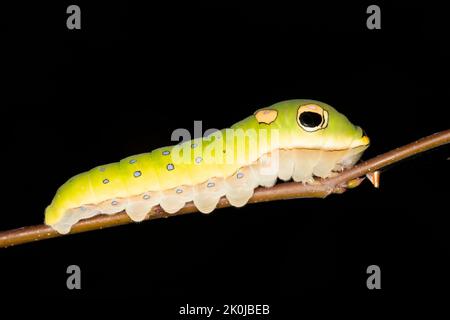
75,99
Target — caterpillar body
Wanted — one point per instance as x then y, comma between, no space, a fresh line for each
294,139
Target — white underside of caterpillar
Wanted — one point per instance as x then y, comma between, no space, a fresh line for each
300,165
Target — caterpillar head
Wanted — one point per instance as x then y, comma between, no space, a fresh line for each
312,124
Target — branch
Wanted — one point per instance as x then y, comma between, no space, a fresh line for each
287,190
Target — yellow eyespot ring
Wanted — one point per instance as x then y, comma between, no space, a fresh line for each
312,117
266,116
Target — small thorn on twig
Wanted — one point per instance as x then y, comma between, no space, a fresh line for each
374,177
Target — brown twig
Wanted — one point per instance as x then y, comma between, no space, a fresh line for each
288,190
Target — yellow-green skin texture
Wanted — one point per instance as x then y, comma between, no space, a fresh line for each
89,187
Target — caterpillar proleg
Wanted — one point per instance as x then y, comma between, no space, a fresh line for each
294,139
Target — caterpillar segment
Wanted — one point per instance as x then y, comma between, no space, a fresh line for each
294,139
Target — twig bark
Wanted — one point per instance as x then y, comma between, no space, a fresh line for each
288,190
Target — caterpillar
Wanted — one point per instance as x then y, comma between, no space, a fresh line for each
293,139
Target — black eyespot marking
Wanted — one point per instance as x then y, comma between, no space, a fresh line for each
198,159
170,167
239,175
179,191
105,181
133,161
165,153
146,197
210,184
114,203
310,119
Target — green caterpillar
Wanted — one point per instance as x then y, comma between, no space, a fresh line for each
294,139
